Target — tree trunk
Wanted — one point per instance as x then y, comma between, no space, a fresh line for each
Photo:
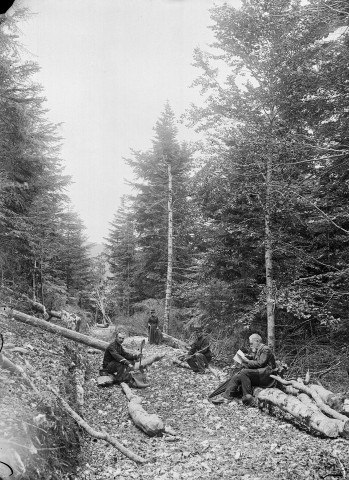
151,424
34,281
72,335
169,253
42,283
269,257
307,414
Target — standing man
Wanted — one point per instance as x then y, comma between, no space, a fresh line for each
199,355
120,363
255,373
153,328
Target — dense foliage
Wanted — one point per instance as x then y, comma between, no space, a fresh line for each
267,232
43,249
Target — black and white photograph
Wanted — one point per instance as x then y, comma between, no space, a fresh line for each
174,239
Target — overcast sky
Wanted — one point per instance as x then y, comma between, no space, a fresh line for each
107,68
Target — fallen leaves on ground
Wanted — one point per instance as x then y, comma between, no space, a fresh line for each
211,442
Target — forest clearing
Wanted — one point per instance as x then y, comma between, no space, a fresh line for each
206,441
222,262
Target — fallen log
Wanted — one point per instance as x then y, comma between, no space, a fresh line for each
312,393
96,434
64,332
71,335
174,342
334,400
177,362
307,415
149,360
342,426
150,424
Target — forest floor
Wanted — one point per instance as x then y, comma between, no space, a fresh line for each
212,442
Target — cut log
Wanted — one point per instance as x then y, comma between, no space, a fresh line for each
307,415
342,426
180,364
319,402
150,424
334,400
174,342
96,434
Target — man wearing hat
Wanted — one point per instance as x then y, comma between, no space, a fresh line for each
153,328
120,363
199,354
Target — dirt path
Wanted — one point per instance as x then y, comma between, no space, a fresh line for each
214,442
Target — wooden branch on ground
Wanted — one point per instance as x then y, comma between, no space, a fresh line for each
13,368
306,414
149,360
96,434
180,364
174,342
151,424
185,365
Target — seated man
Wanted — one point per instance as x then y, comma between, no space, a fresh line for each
118,362
255,372
199,354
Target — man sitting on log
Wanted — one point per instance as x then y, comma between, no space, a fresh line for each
199,355
255,373
119,363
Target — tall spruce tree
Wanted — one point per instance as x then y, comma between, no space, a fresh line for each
168,160
267,154
121,256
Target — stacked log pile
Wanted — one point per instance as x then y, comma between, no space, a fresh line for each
313,406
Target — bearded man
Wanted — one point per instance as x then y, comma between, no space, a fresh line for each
256,371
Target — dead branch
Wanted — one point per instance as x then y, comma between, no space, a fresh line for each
94,433
13,368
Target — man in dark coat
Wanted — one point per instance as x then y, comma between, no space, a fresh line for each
153,328
255,372
118,362
199,355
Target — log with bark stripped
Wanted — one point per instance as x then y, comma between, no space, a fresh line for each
313,394
306,414
151,424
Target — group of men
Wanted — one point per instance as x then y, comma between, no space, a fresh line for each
255,370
